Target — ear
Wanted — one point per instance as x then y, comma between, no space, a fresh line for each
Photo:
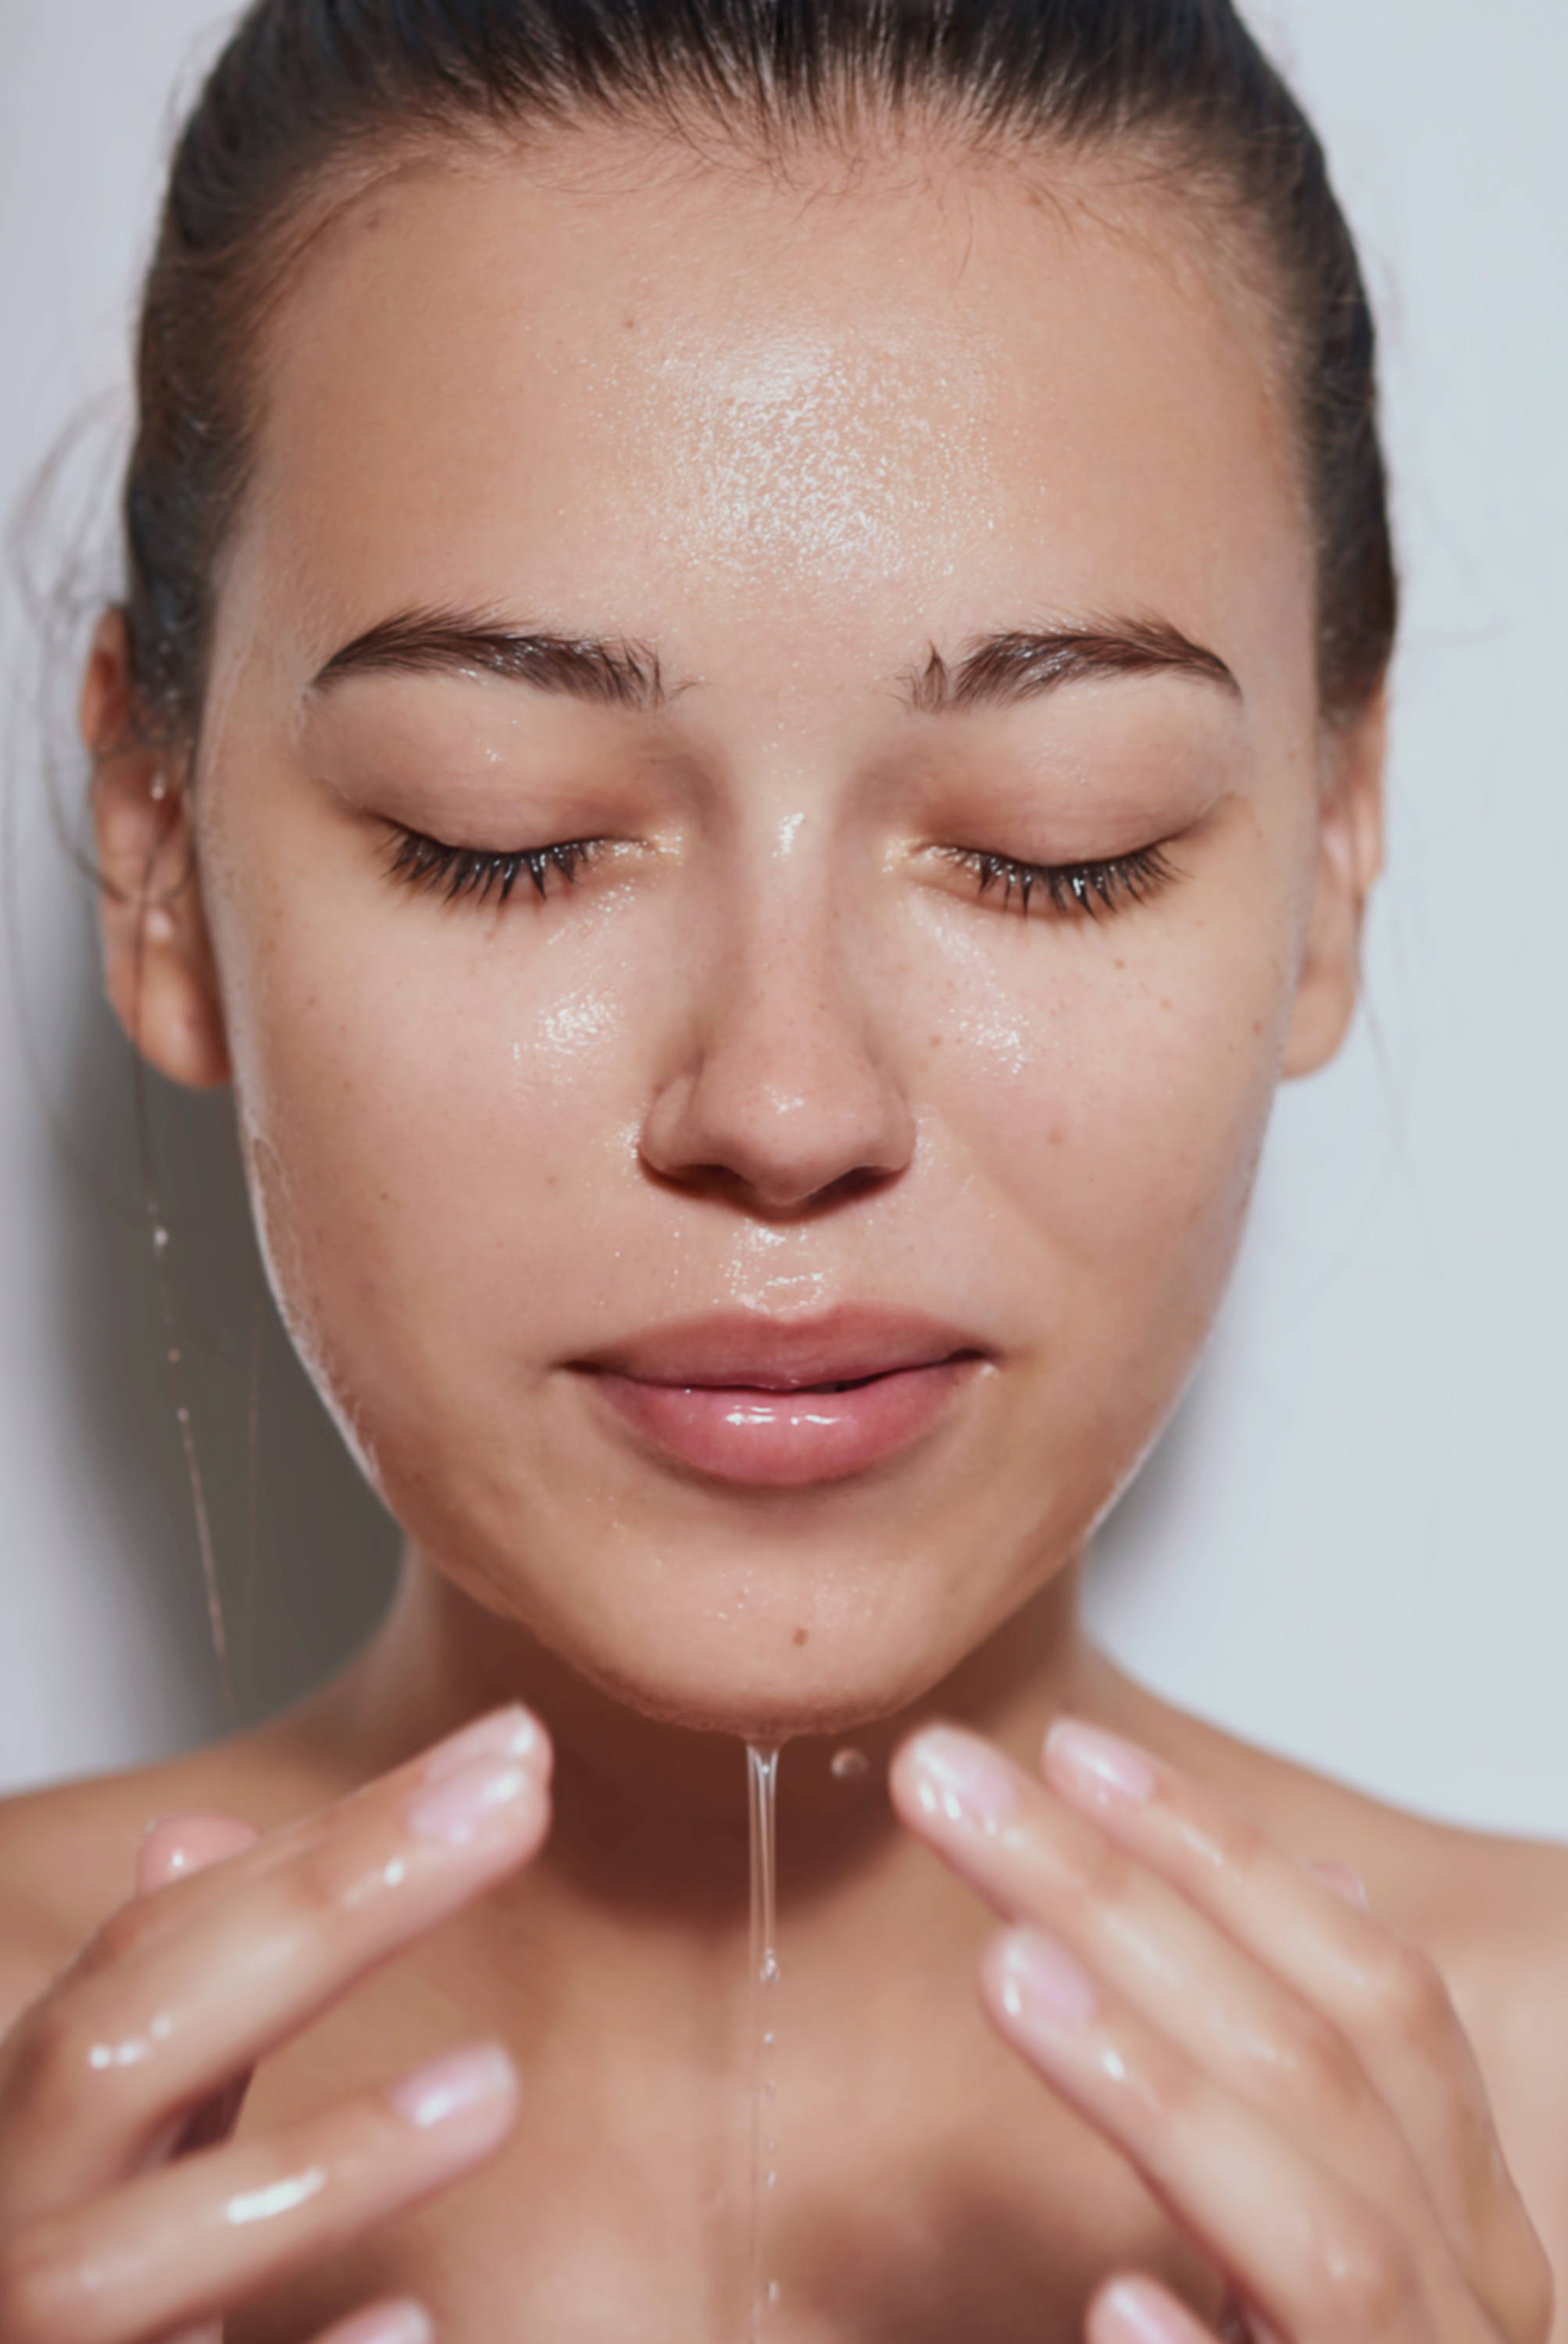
1349,857
158,969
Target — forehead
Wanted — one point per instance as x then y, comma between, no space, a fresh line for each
606,389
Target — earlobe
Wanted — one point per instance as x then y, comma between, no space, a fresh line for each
1348,859
159,974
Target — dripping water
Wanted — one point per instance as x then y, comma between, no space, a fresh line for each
175,1368
762,1778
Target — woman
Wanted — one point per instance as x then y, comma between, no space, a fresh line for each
748,713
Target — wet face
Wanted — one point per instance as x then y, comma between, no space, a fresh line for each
766,1046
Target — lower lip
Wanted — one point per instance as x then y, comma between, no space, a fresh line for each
787,1439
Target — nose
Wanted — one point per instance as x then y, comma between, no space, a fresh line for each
784,1091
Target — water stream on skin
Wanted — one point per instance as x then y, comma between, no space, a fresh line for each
761,1780
847,1766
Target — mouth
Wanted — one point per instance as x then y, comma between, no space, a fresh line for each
781,1405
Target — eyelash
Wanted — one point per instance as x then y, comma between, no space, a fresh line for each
424,863
1072,888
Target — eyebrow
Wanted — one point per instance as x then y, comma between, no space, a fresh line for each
994,671
615,673
998,669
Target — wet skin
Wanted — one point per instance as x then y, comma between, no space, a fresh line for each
771,1048
775,1050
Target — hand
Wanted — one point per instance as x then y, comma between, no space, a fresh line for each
1287,2075
126,2214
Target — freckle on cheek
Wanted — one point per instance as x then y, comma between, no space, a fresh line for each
801,1635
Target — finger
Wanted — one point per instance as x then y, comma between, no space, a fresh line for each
1036,1859
402,2321
1138,2310
1382,1995
1324,2263
171,1846
202,2236
185,1988
1347,1884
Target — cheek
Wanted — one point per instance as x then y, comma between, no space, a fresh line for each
1115,1084
432,1107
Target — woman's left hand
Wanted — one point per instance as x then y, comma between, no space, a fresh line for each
1287,2075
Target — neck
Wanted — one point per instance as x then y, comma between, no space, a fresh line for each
615,1963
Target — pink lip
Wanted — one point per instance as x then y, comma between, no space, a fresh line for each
734,1396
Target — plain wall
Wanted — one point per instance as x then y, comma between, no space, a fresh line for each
1349,1546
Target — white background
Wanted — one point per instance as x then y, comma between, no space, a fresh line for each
1350,1545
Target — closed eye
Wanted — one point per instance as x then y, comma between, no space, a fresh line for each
1085,889
480,872
1072,889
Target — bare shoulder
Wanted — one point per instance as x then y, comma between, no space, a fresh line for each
1489,1909
1499,1934
68,1849
1506,1964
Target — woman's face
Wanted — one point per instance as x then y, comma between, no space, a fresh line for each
771,1050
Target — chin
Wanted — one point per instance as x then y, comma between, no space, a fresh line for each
758,1683
771,1630
756,1711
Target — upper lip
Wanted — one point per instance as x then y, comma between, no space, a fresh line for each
785,1354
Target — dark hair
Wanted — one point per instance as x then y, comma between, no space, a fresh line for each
308,91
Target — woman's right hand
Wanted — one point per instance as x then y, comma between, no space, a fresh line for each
126,2214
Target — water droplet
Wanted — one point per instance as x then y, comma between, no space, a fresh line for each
172,1358
182,1415
772,2182
773,2293
768,2040
770,1968
160,1239
848,1765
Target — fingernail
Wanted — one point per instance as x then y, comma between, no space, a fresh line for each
443,2087
176,1844
173,1816
510,1731
485,1795
1092,1759
386,2323
1349,1885
1039,1978
1141,2316
963,1780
